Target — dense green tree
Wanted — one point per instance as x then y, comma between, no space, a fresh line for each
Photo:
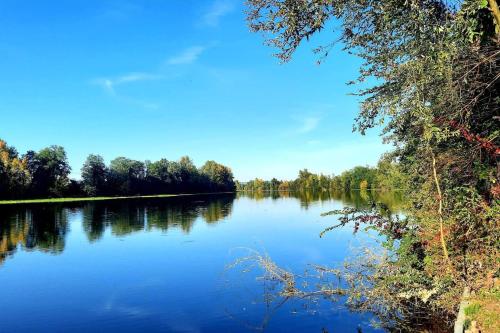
159,177
336,184
188,172
126,175
45,174
308,181
219,176
160,170
49,169
389,175
14,174
361,174
274,184
94,175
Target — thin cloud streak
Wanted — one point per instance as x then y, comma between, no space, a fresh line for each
134,77
186,57
219,9
109,84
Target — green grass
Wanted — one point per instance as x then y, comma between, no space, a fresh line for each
472,310
57,200
484,310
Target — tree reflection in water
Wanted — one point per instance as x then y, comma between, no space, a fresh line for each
356,199
44,227
371,281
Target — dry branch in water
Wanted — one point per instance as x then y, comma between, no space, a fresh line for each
366,282
288,282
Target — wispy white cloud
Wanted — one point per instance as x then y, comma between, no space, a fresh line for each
308,124
133,77
111,305
219,9
188,56
109,84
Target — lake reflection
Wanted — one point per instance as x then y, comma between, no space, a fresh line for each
357,199
44,227
158,265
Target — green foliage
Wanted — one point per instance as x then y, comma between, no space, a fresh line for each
472,310
430,78
14,174
467,323
94,175
386,176
126,175
160,170
389,174
49,169
46,175
219,176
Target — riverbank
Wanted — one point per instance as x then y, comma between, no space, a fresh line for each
83,199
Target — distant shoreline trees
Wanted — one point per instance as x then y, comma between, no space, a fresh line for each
385,176
45,174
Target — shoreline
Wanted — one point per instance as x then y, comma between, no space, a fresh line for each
83,199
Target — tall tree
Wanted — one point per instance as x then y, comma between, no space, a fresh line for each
94,175
14,173
126,175
49,169
188,173
220,176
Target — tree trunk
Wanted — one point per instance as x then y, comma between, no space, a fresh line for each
495,11
440,212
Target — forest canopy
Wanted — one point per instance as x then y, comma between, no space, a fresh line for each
45,174
386,176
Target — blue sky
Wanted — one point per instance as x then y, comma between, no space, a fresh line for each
167,78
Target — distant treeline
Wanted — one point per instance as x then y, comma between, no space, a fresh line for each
385,176
46,173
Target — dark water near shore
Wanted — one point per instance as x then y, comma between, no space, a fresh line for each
159,265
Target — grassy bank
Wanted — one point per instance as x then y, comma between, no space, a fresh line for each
83,199
483,310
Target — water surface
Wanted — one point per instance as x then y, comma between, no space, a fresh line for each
159,265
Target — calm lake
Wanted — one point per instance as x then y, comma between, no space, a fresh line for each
161,265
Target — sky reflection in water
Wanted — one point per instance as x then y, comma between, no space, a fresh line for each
159,265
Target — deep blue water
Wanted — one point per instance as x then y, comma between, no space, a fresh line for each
160,265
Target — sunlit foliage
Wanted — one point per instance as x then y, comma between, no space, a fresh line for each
430,76
386,176
45,174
